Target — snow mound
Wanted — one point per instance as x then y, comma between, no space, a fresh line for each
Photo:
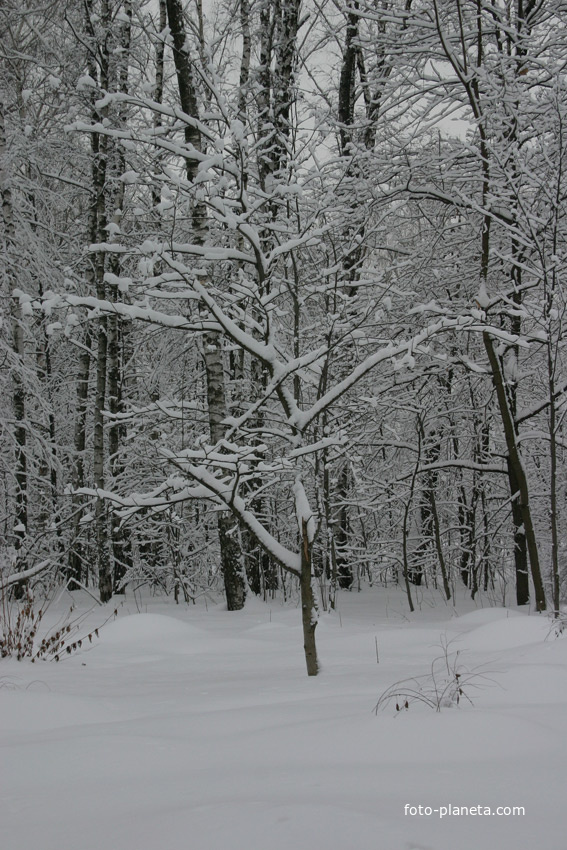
509,633
485,615
149,629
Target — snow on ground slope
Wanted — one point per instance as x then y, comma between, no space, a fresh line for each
194,729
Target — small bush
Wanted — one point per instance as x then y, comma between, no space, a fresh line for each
20,626
444,686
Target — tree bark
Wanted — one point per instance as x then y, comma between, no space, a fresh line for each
518,475
231,556
98,222
76,552
308,604
18,388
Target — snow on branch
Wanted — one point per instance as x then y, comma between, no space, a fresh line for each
24,575
129,311
303,512
226,492
171,409
462,323
167,495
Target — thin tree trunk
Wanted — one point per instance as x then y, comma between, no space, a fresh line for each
555,572
98,220
438,543
158,89
231,561
76,553
101,518
341,530
121,550
18,388
45,374
405,529
352,59
308,604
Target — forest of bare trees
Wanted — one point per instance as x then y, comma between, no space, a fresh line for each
283,297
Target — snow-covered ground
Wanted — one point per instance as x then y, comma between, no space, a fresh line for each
198,729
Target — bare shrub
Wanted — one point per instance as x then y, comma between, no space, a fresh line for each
21,630
444,686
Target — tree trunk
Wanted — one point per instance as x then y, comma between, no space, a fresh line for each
341,532
121,550
308,605
98,222
101,518
231,556
231,560
518,475
439,545
18,389
520,541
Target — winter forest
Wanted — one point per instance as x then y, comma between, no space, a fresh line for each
282,297
282,325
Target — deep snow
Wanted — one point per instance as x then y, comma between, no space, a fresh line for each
192,728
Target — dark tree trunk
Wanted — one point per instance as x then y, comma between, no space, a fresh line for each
121,549
341,533
97,224
18,388
520,542
518,480
230,552
231,559
308,605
